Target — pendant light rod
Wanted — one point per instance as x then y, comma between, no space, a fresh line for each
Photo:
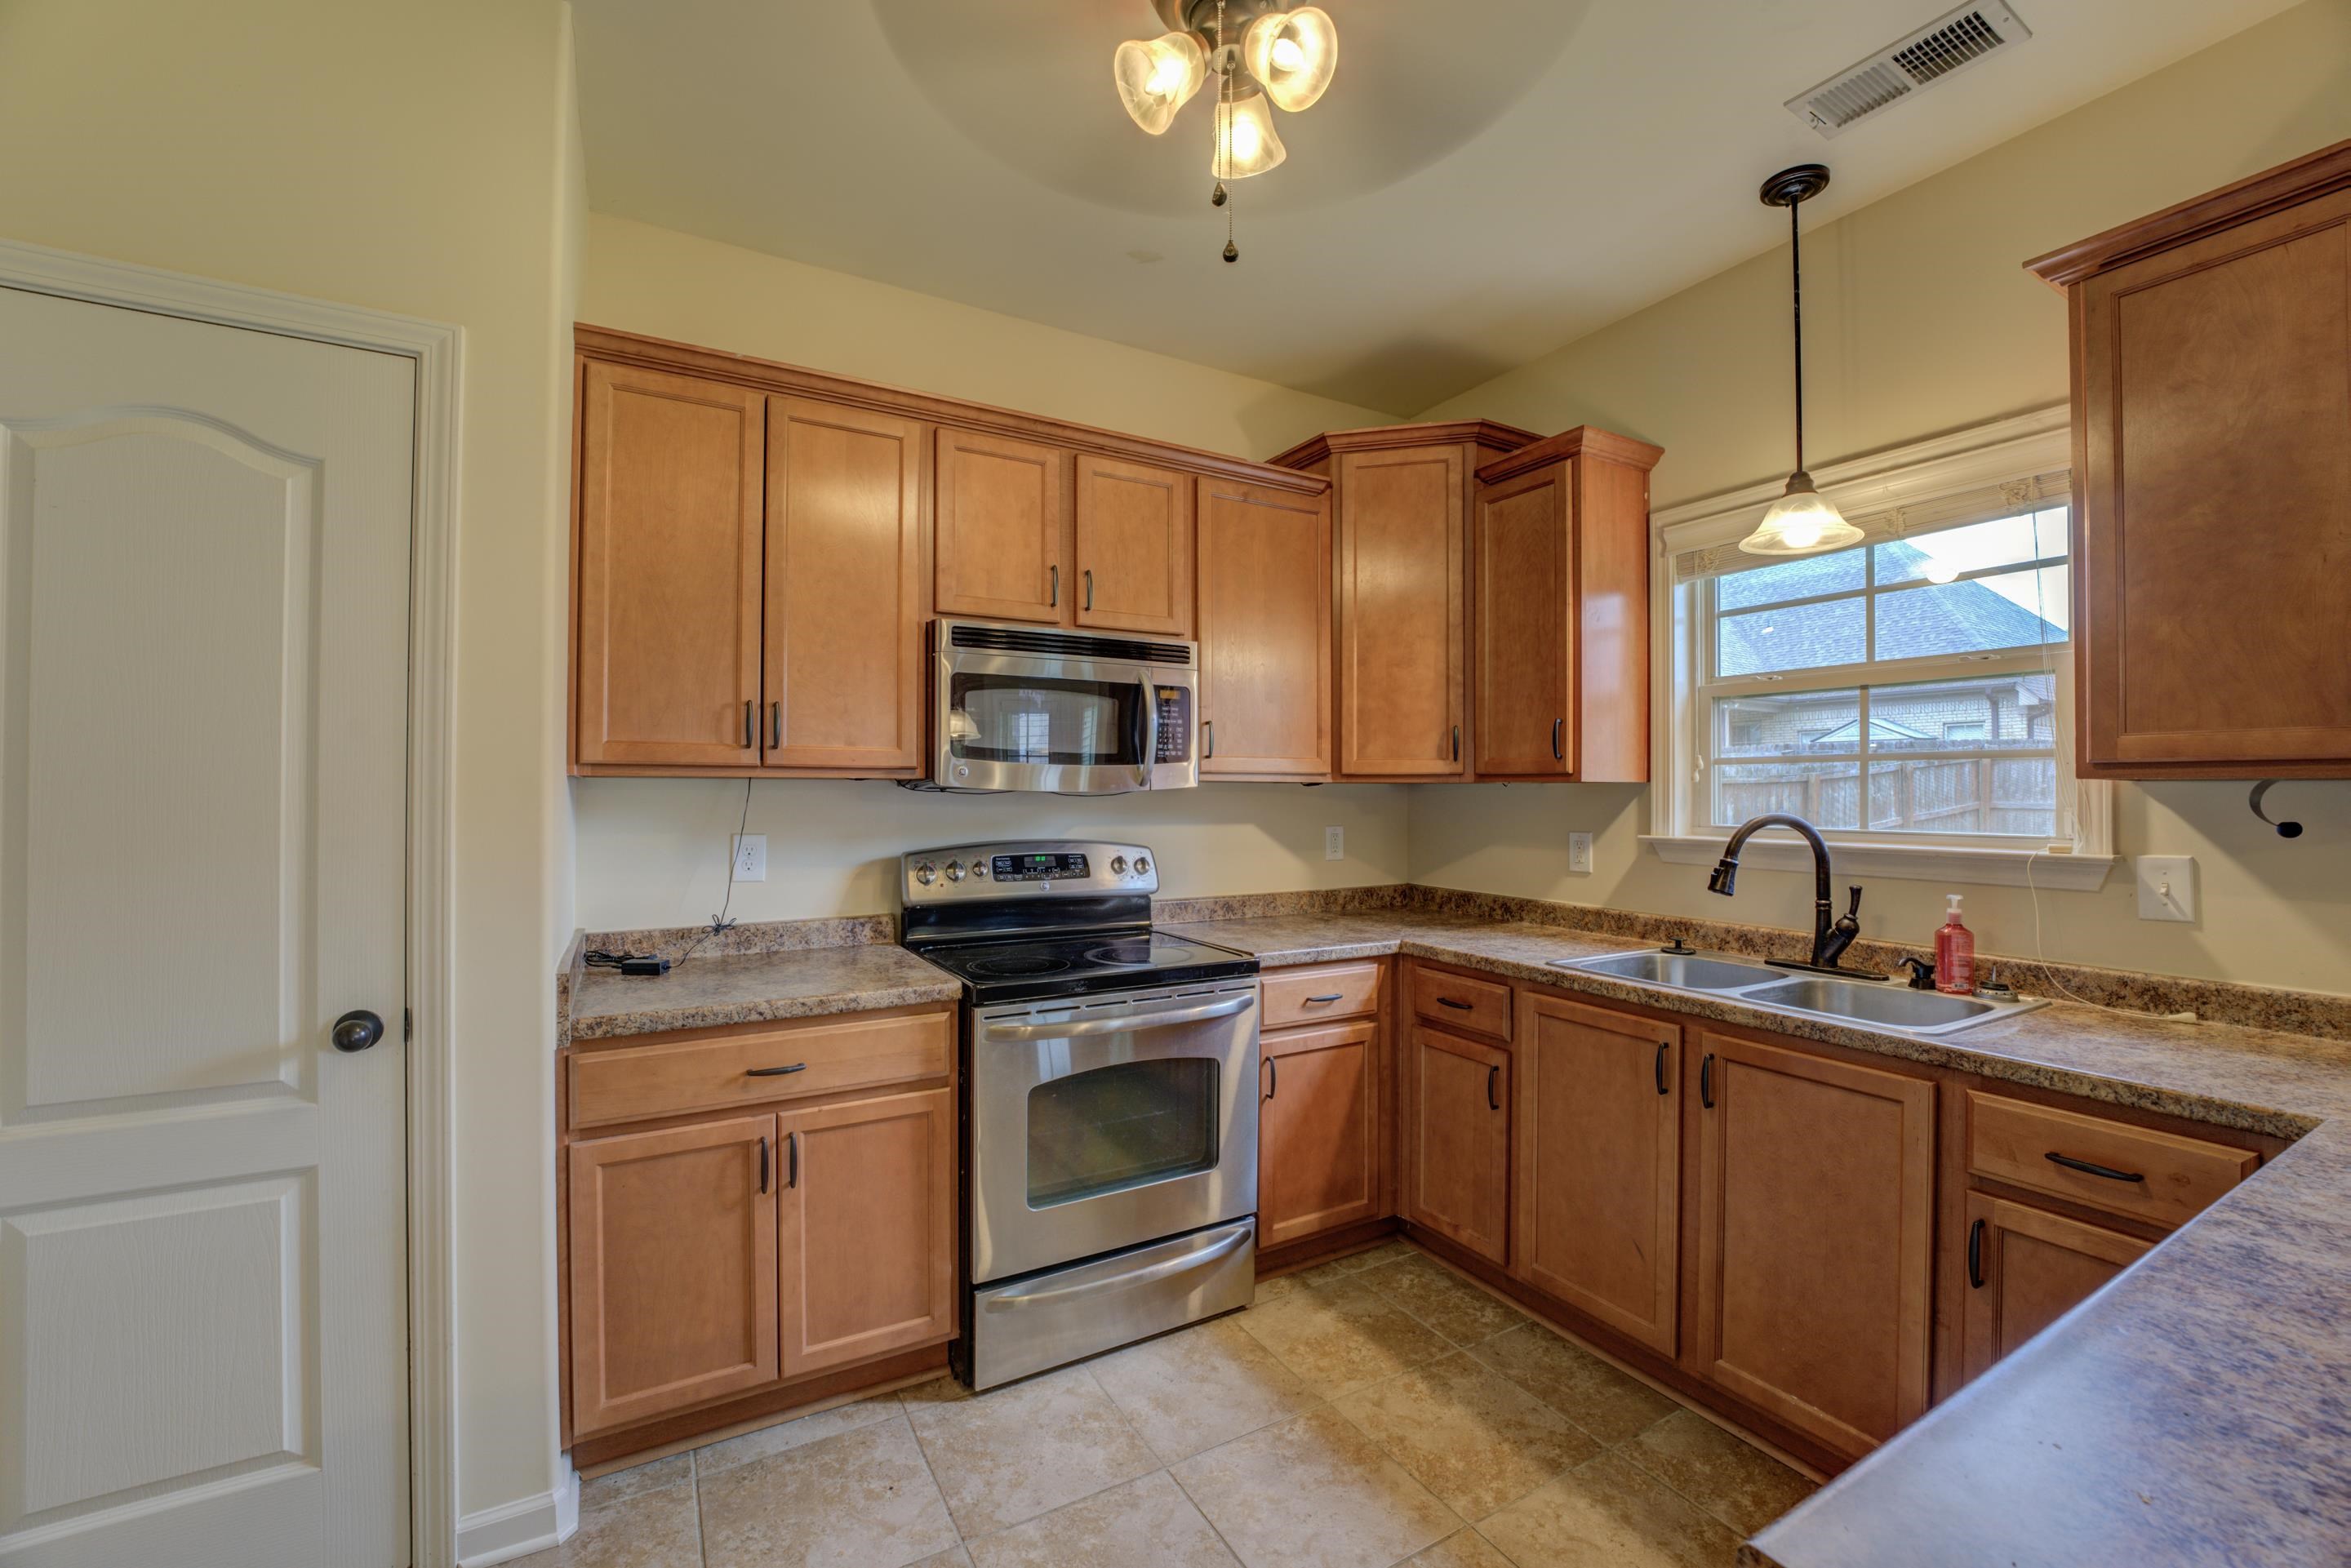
1791,188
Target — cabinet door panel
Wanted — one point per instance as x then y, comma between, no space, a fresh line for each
1265,633
1817,1219
673,1255
668,627
1526,610
998,543
1319,1142
1599,1166
868,1247
1458,1123
1133,548
2026,1268
844,590
2216,387
1400,587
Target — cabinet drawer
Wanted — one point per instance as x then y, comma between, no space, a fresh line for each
1457,1001
716,1074
1318,995
2156,1177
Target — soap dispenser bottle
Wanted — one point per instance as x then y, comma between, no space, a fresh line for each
1955,955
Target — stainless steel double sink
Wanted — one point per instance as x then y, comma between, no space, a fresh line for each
1874,1004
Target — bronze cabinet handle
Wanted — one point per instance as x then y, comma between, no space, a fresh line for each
1456,1005
750,723
2088,1168
1457,743
1088,575
1332,996
1209,735
1661,1066
774,1071
1493,1073
763,1164
1055,597
1558,729
1272,1076
775,726
1975,1255
1706,1081
792,1148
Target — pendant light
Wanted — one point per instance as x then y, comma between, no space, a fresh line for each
1801,521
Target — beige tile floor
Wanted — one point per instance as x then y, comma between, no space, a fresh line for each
1379,1409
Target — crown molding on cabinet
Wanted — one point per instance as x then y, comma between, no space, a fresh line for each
1390,437
2313,175
1601,444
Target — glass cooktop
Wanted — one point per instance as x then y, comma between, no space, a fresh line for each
1023,969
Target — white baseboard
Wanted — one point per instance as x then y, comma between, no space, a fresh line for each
519,1528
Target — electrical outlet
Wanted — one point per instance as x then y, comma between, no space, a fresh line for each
2166,887
1579,852
751,857
1334,844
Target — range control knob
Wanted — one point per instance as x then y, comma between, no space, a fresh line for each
926,873
1118,865
1142,865
979,870
955,871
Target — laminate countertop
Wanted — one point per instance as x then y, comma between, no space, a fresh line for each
755,987
2197,1410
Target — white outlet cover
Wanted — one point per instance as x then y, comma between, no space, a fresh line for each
751,857
1334,844
2166,887
1579,852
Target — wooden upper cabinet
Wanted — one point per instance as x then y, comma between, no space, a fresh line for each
843,676
1562,547
1320,1131
1265,633
1000,525
2212,441
673,1269
1816,1200
867,1252
1402,568
1599,1167
1456,1125
2026,1268
667,621
1133,548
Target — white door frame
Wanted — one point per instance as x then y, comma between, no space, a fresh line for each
438,350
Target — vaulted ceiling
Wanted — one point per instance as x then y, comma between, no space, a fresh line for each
1484,179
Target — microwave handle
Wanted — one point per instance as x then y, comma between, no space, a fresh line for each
1146,725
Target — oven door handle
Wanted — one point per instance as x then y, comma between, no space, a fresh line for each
1150,1273
1132,1024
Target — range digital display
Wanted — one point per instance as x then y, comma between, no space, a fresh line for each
1035,867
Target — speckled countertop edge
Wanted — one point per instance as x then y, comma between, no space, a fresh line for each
764,974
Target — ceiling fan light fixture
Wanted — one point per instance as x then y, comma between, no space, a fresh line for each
1247,142
1158,76
1293,53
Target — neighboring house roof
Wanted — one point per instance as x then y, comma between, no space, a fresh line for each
1846,736
1957,617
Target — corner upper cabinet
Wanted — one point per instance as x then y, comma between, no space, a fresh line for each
1132,547
2212,349
667,618
1562,610
843,664
1265,633
999,529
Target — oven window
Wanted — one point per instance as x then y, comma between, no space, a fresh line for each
1117,1127
1042,721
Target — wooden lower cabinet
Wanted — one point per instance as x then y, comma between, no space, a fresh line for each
1598,1215
673,1269
1815,1263
867,1254
2025,1268
1319,1130
1457,1140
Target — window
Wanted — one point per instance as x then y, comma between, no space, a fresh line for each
1906,685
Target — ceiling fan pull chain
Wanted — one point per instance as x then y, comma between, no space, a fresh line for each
1222,197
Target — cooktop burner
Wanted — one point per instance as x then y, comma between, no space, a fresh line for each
1017,965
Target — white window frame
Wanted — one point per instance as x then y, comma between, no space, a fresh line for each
2002,453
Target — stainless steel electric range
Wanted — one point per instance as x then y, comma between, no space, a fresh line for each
1109,1102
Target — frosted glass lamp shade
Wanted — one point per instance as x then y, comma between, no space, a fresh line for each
1801,522
1245,141
1158,77
1293,53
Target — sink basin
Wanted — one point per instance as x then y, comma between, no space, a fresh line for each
1690,971
1879,1004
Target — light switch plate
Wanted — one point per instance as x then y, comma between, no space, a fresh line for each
1334,844
2166,887
1579,852
750,857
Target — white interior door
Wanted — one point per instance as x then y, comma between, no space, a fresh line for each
204,648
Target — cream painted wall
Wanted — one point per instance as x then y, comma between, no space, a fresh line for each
1919,319
654,852
415,158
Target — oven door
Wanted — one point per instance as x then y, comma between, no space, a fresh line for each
1103,1124
1068,727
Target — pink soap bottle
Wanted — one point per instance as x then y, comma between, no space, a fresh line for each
1955,955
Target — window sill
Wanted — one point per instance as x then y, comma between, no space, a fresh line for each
1965,865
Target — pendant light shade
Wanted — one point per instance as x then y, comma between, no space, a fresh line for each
1247,142
1158,77
1293,53
1801,521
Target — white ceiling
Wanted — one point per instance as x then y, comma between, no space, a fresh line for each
1485,181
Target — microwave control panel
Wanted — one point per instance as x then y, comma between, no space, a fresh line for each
1175,704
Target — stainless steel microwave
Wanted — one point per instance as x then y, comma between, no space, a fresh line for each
1067,713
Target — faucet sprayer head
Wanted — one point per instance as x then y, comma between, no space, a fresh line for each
1723,877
